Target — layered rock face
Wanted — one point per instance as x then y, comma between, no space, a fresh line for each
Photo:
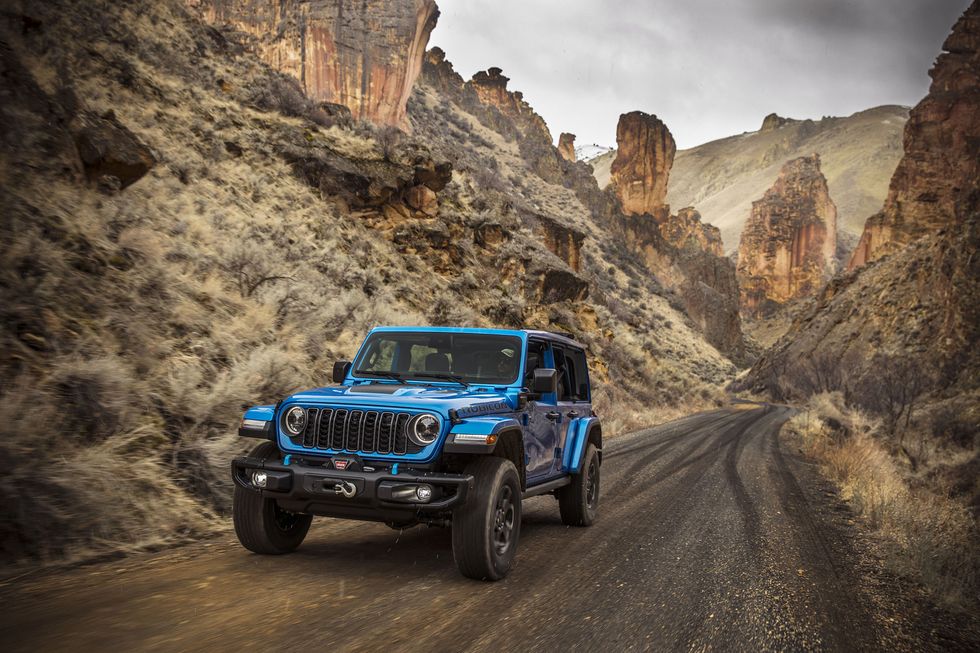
788,244
645,154
566,146
364,54
935,184
490,87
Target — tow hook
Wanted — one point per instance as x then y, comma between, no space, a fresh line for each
346,488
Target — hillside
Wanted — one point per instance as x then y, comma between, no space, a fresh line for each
722,178
185,233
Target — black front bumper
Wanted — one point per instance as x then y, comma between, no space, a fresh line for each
317,490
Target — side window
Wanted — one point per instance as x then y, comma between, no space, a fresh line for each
579,374
563,365
535,359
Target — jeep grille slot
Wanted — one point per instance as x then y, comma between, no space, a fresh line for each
309,432
323,427
364,431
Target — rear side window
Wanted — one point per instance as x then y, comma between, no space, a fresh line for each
577,373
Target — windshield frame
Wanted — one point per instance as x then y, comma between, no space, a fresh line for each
519,339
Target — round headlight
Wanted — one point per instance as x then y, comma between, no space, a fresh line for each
294,421
424,429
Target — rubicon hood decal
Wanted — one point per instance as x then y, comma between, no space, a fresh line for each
483,409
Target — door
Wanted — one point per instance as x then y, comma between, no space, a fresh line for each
541,431
573,391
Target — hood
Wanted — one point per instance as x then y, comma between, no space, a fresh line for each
397,395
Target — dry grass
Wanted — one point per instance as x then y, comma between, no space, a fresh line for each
927,535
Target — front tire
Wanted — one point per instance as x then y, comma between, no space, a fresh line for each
487,526
579,501
260,524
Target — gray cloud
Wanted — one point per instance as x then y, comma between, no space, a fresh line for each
709,69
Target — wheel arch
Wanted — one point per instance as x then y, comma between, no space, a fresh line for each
595,437
510,445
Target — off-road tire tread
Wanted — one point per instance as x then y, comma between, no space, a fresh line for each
254,517
471,548
572,497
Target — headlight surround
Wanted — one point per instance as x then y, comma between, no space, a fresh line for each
424,429
294,421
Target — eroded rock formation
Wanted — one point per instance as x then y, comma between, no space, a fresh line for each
936,182
774,121
789,242
685,230
645,154
566,146
364,54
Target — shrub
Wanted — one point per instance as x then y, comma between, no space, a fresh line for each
928,536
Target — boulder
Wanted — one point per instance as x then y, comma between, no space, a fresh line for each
108,149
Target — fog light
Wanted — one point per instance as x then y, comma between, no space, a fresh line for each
423,493
259,478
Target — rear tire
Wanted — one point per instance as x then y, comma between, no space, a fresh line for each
260,524
579,501
487,526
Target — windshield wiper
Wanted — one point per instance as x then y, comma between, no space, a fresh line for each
444,376
383,373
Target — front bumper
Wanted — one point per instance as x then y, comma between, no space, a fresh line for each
313,489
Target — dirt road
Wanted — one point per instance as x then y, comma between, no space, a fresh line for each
710,537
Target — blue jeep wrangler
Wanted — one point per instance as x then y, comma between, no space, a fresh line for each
439,426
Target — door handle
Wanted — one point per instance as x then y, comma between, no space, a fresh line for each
573,414
553,415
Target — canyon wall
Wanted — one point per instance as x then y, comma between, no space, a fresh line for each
935,183
365,55
787,246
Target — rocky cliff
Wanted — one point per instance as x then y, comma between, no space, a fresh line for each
935,185
920,303
682,252
566,146
788,244
685,230
363,54
644,156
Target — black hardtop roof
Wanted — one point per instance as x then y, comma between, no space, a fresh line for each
554,336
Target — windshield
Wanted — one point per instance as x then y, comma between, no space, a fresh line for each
433,356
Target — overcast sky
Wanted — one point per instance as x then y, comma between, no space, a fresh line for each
708,68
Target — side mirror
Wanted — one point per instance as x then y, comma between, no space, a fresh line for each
340,370
545,381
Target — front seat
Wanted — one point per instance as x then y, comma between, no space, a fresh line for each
437,362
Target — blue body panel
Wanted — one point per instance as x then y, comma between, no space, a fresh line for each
264,413
575,444
480,409
486,425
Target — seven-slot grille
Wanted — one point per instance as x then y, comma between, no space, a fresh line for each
365,431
